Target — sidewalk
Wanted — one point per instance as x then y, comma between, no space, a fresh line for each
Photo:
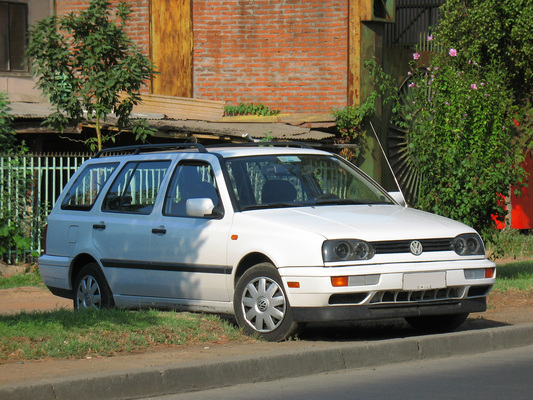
175,371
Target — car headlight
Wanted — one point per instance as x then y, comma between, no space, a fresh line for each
347,250
469,244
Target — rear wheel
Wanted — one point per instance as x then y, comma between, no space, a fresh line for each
261,305
437,323
91,289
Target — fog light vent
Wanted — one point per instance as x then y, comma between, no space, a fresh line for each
347,298
476,291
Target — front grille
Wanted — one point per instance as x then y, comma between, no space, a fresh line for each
402,246
403,296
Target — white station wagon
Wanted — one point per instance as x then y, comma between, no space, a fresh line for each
275,235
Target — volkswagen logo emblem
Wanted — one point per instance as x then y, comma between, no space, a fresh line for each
416,247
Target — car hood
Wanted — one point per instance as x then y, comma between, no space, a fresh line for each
366,222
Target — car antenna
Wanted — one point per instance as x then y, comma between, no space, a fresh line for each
388,163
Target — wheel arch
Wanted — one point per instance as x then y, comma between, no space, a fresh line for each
248,262
77,264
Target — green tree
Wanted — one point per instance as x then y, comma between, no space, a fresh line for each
85,63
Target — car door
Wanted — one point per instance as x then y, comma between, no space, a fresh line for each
188,253
122,230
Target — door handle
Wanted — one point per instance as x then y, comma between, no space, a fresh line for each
99,226
161,231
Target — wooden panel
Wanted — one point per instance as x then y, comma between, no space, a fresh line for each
181,108
354,52
171,47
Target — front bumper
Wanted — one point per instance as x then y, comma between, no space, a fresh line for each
363,312
388,290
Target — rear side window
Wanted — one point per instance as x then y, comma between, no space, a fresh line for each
135,188
86,188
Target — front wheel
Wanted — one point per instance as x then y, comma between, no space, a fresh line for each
261,305
437,323
91,290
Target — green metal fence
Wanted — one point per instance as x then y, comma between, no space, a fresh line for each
29,186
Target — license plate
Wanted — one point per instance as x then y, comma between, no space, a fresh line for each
424,280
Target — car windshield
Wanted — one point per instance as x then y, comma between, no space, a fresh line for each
273,181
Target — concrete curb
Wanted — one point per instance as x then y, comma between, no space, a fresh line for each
156,381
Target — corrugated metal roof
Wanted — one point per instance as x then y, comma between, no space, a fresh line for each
255,130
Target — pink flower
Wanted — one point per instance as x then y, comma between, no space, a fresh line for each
412,84
430,38
416,56
473,86
453,52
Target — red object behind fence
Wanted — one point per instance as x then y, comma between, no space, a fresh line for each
522,206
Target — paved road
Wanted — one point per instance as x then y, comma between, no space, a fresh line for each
504,374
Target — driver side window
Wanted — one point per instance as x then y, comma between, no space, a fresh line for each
190,181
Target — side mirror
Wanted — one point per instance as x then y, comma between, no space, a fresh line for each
398,198
201,208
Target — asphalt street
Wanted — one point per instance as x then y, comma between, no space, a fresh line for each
503,374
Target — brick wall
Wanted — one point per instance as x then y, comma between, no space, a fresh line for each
138,28
287,54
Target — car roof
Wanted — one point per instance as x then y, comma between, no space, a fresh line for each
223,150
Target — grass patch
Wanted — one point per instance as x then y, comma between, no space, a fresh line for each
67,334
515,276
510,244
31,278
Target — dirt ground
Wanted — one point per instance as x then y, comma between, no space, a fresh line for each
509,308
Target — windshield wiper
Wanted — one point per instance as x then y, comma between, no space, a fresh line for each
339,202
273,205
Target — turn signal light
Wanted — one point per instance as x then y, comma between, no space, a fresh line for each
338,281
293,285
489,272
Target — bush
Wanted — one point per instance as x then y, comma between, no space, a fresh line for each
250,109
14,187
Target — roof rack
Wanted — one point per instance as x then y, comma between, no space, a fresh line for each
261,144
136,149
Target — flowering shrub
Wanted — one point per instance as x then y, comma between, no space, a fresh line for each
493,31
468,114
462,137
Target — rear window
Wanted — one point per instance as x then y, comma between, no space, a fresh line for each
87,186
135,188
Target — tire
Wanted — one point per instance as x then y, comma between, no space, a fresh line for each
91,290
261,305
437,323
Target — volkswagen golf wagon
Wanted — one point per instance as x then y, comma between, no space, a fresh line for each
276,235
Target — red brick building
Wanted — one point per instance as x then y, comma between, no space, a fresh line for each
295,56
